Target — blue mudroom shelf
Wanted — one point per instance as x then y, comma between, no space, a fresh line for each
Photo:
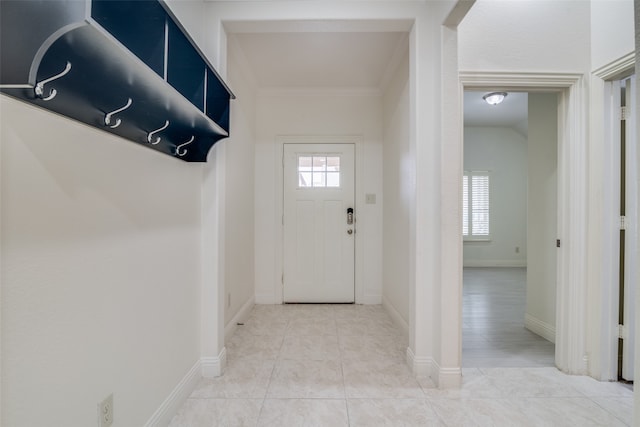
126,67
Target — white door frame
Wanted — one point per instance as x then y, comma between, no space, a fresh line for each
571,300
357,140
631,233
604,364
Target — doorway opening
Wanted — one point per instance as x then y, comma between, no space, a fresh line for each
511,217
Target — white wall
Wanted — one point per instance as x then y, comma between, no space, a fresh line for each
540,315
315,114
611,31
502,152
101,282
190,15
101,271
399,181
533,35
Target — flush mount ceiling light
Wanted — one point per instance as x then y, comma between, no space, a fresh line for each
494,98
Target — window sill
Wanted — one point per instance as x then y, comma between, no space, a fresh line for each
483,239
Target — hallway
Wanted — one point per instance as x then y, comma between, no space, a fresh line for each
493,332
344,365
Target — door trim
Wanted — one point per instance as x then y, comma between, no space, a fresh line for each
357,141
571,300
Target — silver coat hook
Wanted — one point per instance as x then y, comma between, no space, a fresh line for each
179,151
39,88
150,135
108,116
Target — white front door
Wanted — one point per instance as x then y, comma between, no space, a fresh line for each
319,232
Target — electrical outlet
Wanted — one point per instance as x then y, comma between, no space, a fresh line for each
105,412
517,249
228,300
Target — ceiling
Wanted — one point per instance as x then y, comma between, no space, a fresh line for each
512,112
313,60
326,55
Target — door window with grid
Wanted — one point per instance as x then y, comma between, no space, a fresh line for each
319,171
476,205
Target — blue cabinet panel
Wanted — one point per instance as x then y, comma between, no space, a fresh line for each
217,101
125,67
138,25
185,68
21,37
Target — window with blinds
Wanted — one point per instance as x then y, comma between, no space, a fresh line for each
475,205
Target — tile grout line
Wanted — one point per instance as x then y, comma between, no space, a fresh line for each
273,370
608,411
344,381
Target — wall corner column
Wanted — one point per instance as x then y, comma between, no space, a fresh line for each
212,350
450,357
571,351
424,221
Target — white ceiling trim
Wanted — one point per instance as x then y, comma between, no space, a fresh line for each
530,82
457,14
616,68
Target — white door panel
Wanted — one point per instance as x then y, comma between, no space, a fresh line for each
318,248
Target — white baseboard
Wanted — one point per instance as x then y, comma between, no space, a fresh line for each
267,299
539,327
495,263
397,319
270,299
443,378
163,415
448,377
420,366
214,366
240,316
371,300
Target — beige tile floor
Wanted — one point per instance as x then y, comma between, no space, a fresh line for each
344,365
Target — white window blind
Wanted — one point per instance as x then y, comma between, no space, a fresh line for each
476,205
